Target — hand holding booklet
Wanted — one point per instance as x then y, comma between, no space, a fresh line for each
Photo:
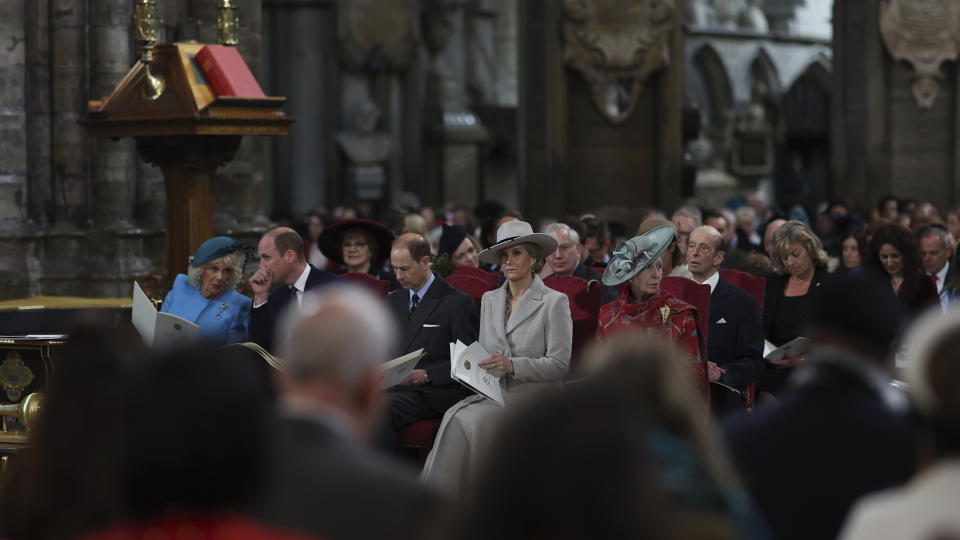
798,347
396,370
160,330
465,367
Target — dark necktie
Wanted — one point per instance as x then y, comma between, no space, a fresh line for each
414,302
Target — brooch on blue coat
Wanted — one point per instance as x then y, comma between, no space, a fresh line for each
222,307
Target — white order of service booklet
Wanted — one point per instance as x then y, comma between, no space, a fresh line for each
160,330
394,371
465,367
796,347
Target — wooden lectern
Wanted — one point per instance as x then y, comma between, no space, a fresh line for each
187,131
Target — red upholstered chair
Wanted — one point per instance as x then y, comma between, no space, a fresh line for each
489,278
376,286
471,285
419,437
754,286
585,297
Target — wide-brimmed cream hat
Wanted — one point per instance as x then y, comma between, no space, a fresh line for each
512,233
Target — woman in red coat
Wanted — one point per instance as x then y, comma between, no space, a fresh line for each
642,304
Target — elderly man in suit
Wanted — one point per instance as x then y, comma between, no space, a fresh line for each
735,339
282,262
430,315
324,479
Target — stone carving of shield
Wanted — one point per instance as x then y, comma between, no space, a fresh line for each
616,45
378,34
925,34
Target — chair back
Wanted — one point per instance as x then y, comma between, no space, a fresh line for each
584,297
694,294
753,285
377,286
473,286
489,278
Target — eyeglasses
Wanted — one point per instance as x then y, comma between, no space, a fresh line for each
354,245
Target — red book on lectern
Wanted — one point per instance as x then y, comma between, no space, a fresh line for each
227,73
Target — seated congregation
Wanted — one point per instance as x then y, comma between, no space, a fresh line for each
640,395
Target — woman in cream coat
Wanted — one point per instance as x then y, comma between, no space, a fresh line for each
527,329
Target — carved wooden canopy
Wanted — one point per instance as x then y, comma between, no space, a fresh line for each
616,45
924,33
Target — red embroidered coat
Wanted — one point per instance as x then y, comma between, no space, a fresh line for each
679,325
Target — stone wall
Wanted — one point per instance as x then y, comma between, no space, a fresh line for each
884,141
81,216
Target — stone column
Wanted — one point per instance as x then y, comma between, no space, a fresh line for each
453,132
38,112
69,95
13,112
14,280
114,164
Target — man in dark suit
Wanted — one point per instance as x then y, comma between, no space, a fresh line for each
735,339
282,262
430,314
840,431
323,478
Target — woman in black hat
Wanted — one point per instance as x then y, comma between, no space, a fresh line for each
206,294
460,247
360,246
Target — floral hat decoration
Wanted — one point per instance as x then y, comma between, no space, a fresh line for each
631,256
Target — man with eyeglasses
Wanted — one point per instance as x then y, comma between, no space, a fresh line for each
430,315
566,259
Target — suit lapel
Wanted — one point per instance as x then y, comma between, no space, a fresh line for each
720,293
529,303
499,306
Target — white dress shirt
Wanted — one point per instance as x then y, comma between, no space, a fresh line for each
300,285
712,281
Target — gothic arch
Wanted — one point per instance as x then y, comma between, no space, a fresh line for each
763,70
716,83
806,104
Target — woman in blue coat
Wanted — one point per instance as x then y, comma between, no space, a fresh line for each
206,296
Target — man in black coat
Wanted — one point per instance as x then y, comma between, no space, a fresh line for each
840,431
323,478
282,262
735,339
430,315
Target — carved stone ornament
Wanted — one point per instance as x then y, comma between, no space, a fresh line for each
378,35
924,33
616,45
15,376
